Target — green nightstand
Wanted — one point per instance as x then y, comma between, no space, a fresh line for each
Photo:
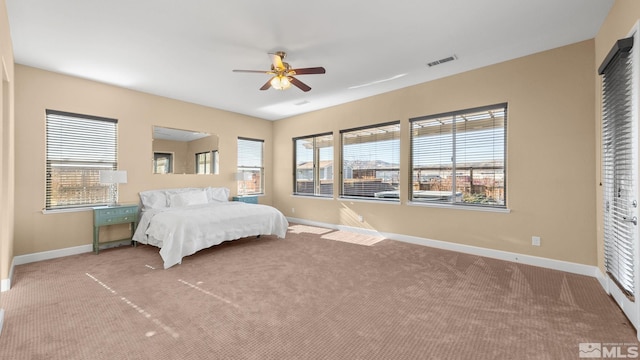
249,199
112,215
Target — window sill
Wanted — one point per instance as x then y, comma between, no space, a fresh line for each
369,200
68,210
310,196
460,207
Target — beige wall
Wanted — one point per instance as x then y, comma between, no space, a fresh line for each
7,126
550,165
621,19
37,90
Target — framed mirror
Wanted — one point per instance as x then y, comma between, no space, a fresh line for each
179,151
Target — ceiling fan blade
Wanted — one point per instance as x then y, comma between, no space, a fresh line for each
276,59
308,71
254,71
266,85
302,86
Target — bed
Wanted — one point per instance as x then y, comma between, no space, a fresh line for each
183,221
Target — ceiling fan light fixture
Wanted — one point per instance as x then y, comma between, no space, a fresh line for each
283,76
280,82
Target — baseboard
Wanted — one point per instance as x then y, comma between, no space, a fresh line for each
5,284
51,254
575,268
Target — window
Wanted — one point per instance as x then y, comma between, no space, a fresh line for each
162,163
203,162
314,165
207,162
250,166
77,148
371,162
459,157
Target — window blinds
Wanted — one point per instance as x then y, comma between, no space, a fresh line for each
618,166
250,166
371,161
459,157
77,148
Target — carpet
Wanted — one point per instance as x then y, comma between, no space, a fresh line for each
318,294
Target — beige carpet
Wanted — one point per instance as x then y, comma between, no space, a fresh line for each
318,294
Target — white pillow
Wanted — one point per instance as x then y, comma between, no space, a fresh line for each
153,199
217,194
188,198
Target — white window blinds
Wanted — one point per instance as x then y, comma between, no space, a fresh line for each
459,157
77,148
371,161
618,166
250,166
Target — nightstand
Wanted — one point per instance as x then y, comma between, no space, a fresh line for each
112,215
249,199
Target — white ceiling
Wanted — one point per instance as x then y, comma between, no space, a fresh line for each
187,49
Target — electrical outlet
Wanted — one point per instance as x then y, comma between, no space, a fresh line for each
360,218
535,240
293,210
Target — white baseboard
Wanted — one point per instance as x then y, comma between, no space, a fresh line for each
52,254
5,284
575,268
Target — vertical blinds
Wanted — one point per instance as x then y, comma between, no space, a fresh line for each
77,148
619,172
371,161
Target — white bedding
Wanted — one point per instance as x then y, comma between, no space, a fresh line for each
182,231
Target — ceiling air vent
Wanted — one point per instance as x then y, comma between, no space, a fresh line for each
438,62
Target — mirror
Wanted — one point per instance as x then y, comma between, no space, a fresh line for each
177,151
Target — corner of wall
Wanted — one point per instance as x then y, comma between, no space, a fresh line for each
5,284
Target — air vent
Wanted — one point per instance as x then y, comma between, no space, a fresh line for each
438,62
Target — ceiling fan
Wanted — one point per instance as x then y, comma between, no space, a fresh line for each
283,74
